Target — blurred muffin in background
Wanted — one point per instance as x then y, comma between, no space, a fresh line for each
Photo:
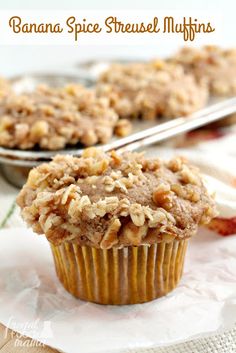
54,118
215,65
212,63
151,90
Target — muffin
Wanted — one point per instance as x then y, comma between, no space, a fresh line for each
118,224
216,66
54,118
153,89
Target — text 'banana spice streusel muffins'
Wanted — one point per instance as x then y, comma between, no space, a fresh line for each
118,225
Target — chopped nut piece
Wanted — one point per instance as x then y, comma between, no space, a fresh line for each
91,152
116,158
111,236
175,164
22,131
187,176
177,189
123,127
133,234
162,196
39,129
98,168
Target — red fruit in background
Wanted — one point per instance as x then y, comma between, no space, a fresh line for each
223,226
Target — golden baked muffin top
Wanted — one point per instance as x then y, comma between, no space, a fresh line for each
53,118
111,200
212,63
151,89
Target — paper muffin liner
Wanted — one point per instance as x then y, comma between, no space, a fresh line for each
120,276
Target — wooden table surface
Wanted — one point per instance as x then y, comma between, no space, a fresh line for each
9,343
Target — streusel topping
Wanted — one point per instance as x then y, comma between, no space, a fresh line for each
152,89
216,65
107,200
53,118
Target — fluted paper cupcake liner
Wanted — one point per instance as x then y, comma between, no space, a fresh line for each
120,276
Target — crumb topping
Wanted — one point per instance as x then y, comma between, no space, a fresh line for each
107,200
216,65
151,89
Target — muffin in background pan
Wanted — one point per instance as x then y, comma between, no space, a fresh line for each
118,225
153,89
217,66
54,118
214,64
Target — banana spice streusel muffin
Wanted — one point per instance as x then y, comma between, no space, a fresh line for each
212,63
53,118
215,65
118,225
152,89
